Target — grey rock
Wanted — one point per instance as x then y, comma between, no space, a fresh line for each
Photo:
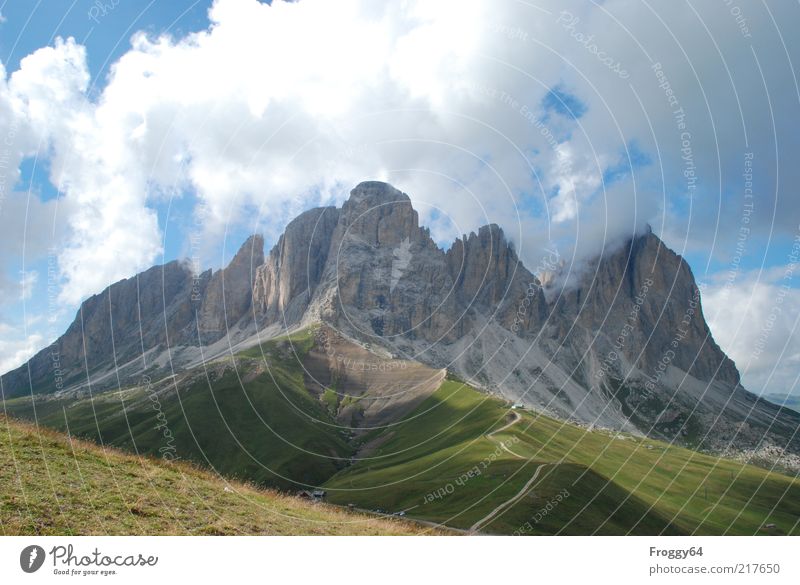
624,345
285,283
119,325
229,294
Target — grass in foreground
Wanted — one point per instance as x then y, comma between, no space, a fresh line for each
56,486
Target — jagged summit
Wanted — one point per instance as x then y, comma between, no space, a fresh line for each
626,347
377,192
379,215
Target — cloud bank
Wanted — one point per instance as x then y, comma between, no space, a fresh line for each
570,124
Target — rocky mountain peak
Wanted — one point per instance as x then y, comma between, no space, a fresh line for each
620,346
380,215
483,265
251,253
375,193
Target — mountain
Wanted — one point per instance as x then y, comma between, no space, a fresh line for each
623,346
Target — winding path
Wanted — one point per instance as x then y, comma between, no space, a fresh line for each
508,503
502,444
519,495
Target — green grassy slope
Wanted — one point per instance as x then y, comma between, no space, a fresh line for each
590,481
56,486
251,422
460,458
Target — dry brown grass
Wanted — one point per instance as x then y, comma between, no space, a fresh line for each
55,485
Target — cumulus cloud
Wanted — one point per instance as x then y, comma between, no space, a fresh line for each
549,119
111,231
14,352
27,282
275,108
757,323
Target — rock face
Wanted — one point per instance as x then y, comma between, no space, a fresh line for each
385,276
624,346
387,279
632,334
120,324
134,324
643,304
489,275
229,293
285,283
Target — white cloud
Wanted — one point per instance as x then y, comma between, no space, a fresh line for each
756,321
14,353
27,283
112,233
275,108
294,99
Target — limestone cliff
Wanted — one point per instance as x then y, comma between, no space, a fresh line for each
624,345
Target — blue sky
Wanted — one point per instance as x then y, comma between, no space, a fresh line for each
105,32
120,149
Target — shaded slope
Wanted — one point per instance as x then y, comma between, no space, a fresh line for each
250,418
56,486
280,414
617,483
360,388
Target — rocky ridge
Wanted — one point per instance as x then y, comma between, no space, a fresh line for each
626,347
